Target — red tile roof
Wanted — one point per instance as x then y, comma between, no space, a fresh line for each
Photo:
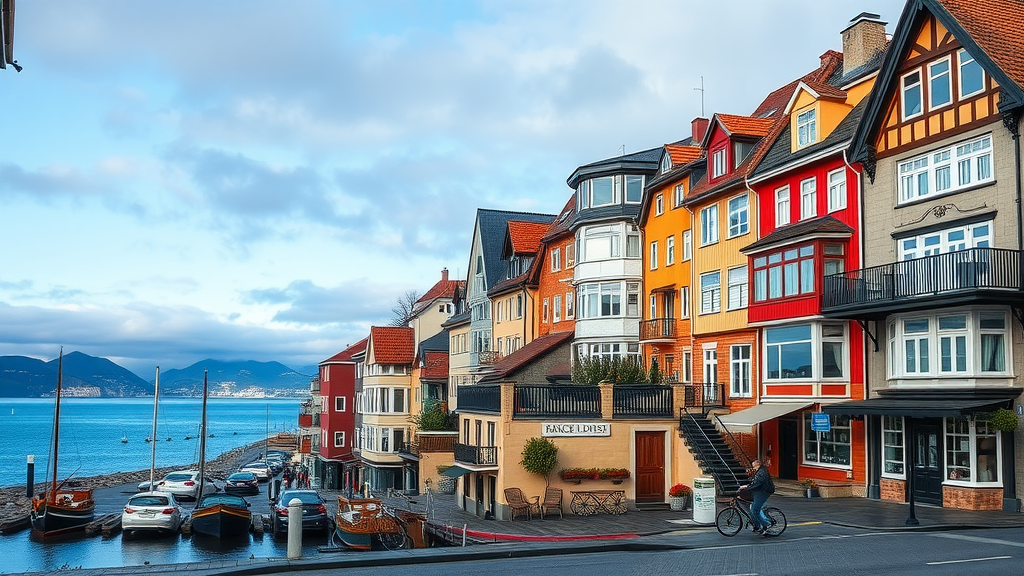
682,154
526,236
444,288
392,344
527,354
743,125
347,354
435,365
775,103
996,25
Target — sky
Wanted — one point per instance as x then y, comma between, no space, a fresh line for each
263,180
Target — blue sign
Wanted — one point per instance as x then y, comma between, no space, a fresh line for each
820,422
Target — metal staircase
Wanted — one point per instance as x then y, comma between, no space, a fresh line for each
713,452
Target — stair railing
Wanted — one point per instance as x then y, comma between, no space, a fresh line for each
734,444
721,459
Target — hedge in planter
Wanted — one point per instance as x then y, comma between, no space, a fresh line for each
540,456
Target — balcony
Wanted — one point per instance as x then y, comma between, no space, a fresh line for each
658,330
489,357
553,401
642,401
305,420
972,276
704,396
478,455
480,398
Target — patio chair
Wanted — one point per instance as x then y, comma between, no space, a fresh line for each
552,501
519,504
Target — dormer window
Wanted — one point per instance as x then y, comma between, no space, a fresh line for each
806,128
666,163
718,163
739,152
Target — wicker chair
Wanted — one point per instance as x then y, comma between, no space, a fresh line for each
519,504
552,501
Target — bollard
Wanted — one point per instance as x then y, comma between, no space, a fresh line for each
294,529
30,482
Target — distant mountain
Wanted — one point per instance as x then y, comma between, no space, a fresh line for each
84,375
232,377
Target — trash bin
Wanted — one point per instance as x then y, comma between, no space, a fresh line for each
704,500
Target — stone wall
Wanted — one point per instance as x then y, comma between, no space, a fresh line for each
972,498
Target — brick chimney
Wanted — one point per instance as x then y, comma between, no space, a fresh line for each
862,39
444,275
698,126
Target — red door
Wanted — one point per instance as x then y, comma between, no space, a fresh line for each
650,467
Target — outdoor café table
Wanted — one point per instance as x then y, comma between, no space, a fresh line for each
590,502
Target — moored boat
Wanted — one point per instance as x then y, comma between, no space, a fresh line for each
358,520
222,516
60,510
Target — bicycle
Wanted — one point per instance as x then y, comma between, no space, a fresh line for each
731,520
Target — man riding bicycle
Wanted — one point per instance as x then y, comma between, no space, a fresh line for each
760,488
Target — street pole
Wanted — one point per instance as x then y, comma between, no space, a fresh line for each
912,520
30,481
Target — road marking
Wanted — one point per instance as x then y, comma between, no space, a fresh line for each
969,560
978,539
805,523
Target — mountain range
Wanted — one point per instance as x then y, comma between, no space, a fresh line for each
85,375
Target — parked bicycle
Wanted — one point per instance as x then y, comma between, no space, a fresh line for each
734,518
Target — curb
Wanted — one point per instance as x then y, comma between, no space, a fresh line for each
924,528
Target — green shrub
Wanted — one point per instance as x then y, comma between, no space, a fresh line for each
590,371
1003,419
540,456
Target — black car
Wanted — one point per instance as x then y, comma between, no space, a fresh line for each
314,511
242,483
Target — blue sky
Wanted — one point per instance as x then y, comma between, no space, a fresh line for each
258,180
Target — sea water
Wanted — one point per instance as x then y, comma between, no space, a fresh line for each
91,430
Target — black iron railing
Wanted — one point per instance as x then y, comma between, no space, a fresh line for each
704,396
481,455
952,273
642,401
557,401
658,328
480,398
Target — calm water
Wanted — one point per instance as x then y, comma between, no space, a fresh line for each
92,428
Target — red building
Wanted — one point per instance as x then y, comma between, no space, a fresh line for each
337,416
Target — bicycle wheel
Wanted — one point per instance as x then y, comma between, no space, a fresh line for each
778,521
729,522
393,540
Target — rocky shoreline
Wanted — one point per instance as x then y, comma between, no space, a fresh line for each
14,504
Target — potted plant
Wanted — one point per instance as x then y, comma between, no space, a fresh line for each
445,484
810,487
540,456
616,475
1004,420
679,497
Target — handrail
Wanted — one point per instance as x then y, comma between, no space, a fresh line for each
734,443
721,458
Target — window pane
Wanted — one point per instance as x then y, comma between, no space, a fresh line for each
832,359
971,74
634,188
602,191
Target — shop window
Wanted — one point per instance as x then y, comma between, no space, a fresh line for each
972,452
892,446
830,448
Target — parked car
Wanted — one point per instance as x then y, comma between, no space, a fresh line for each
276,463
151,512
314,511
185,484
260,469
242,483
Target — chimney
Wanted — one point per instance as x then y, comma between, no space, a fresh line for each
862,39
698,126
444,275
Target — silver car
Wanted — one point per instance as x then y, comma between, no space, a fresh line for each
185,484
151,512
260,469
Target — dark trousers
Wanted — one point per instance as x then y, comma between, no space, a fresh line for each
756,513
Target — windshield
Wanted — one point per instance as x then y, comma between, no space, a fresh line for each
178,477
227,499
242,477
306,496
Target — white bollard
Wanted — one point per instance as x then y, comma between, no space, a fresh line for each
294,529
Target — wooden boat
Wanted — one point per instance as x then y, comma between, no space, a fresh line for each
60,510
217,515
358,520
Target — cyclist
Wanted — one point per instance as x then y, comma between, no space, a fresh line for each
760,487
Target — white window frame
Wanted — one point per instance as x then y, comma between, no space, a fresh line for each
659,204
923,169
684,302
836,181
339,442
670,250
711,292
570,255
709,225
556,259
932,78
570,301
841,434
687,245
739,210
971,435
738,288
930,342
740,371
653,255
808,197
783,213
894,436
341,401
556,307
653,303
808,119
960,63
904,88
719,162
710,363
544,314
815,342
678,195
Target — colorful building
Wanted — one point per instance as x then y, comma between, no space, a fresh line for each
336,418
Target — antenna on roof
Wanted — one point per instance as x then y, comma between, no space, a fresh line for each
701,90
622,150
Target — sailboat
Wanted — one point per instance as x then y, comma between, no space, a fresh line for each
60,510
217,514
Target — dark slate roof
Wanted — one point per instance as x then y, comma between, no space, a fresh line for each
614,212
436,343
643,161
527,354
492,227
780,154
812,227
456,320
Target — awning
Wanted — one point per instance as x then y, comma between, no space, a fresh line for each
744,420
919,407
455,472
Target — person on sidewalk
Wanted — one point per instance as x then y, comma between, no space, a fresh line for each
760,488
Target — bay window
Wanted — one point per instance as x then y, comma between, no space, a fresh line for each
604,299
813,351
972,452
950,343
946,170
605,242
783,274
608,190
830,448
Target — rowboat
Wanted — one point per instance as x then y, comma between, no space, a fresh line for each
359,520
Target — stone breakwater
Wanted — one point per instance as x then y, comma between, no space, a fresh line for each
14,504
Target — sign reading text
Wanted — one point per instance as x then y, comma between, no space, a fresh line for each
820,422
575,429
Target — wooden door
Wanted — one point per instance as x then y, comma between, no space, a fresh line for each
650,467
926,460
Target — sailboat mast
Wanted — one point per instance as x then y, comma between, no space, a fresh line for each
202,444
56,424
152,459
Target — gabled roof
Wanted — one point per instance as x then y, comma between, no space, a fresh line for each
681,154
560,225
492,226
507,284
992,33
818,90
437,343
781,154
392,344
347,354
444,288
821,226
435,366
774,103
524,237
527,354
734,125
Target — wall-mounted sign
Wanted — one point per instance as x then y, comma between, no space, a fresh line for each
575,429
820,422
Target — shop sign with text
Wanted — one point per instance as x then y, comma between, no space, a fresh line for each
576,429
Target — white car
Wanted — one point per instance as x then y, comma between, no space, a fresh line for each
185,484
260,469
151,512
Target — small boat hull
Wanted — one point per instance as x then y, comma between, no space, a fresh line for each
69,510
354,540
221,521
